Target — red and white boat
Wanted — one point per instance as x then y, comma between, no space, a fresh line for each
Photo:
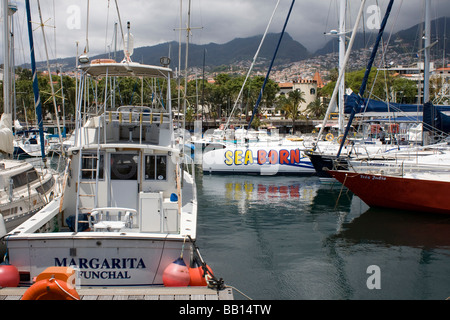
419,190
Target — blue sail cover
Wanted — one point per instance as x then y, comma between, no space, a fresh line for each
434,118
378,106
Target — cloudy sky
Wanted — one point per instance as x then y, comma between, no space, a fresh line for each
154,21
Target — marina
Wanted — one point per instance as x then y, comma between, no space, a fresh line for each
316,242
131,207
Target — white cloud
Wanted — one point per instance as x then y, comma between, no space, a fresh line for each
154,21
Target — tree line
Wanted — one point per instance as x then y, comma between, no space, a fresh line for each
219,96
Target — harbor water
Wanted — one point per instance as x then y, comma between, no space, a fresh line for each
293,238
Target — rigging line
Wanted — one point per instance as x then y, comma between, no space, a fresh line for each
120,23
270,67
251,66
54,31
366,75
86,49
383,59
107,24
347,56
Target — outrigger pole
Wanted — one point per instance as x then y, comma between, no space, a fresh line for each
255,109
37,99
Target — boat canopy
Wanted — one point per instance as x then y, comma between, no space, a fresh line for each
434,118
125,69
371,105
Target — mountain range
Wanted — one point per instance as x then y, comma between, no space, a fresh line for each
241,51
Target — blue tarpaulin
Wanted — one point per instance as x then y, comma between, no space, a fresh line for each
434,117
371,105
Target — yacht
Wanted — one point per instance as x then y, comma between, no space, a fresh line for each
128,207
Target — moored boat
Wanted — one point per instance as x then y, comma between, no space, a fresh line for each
128,209
417,191
262,159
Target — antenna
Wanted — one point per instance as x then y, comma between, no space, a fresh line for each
129,44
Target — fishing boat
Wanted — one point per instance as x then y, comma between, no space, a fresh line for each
128,208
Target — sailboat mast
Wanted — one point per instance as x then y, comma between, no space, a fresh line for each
37,99
426,73
347,56
366,75
6,61
188,31
255,109
342,5
50,80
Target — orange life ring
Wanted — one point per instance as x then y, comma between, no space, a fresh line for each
98,61
50,289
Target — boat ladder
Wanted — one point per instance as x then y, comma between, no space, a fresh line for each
91,170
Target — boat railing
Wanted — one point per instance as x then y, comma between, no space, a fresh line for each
138,115
400,169
137,121
111,218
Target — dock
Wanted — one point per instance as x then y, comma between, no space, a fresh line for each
136,293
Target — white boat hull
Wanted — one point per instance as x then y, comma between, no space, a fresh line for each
258,160
112,260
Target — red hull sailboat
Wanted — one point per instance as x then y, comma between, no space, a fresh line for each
428,193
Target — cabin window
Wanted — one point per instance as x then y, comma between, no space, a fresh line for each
45,187
124,166
23,178
155,167
89,166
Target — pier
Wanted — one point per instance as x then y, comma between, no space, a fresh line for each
136,293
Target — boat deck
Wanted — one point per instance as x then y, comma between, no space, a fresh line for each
136,293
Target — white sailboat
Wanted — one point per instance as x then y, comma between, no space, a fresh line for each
23,188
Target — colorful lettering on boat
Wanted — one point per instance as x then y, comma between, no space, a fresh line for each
245,157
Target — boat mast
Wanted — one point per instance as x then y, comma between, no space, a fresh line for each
255,109
359,100
426,73
6,61
341,64
341,75
188,31
37,99
251,67
51,81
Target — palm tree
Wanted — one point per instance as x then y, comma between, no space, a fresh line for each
291,105
316,109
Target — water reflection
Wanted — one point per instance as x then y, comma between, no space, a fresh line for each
398,228
293,238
